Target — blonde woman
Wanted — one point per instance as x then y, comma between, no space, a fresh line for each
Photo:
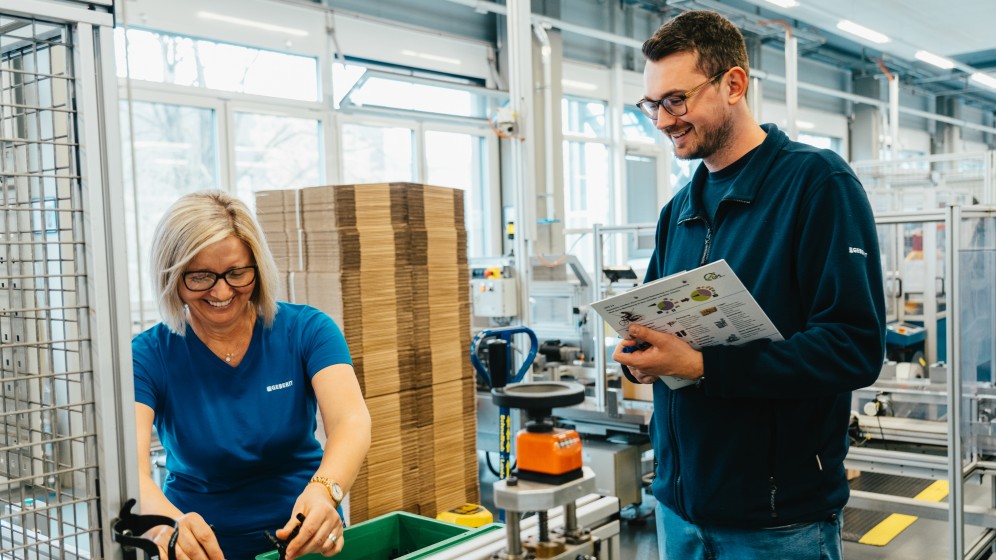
231,379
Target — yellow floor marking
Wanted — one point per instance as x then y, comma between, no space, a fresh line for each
883,533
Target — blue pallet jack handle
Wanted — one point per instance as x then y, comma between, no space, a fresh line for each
497,375
506,334
500,339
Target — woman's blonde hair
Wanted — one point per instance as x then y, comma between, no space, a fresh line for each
192,223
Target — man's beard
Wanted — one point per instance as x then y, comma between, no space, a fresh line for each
710,141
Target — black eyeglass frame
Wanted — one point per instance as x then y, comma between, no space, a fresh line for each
223,275
681,98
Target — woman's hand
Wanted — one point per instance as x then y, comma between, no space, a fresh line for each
194,539
321,531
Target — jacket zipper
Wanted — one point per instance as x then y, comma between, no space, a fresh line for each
709,229
772,489
708,239
679,501
708,243
772,484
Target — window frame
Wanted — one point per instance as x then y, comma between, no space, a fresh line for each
319,65
224,107
490,197
295,112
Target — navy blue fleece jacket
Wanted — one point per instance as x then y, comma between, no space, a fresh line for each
761,442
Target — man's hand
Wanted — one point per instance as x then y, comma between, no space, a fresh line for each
665,355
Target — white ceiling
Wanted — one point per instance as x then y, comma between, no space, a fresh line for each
960,30
951,29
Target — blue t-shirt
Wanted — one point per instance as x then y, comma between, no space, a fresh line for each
240,444
719,184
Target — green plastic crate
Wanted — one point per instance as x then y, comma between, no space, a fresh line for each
398,536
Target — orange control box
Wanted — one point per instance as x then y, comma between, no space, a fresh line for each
553,453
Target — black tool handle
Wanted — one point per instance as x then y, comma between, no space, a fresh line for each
171,548
128,528
498,362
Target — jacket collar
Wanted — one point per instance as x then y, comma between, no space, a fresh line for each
750,180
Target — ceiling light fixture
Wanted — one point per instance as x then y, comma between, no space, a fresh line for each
938,61
784,3
862,31
984,79
250,23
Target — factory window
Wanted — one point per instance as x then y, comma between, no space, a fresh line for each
583,117
681,172
641,202
458,160
587,194
377,154
345,78
160,57
276,152
452,158
820,141
637,127
438,141
175,152
359,86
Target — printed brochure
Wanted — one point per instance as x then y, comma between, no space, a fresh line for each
704,307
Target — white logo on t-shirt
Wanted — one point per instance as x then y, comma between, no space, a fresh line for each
279,386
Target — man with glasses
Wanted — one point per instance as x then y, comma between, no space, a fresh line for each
750,457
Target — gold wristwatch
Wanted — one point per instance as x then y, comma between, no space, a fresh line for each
335,491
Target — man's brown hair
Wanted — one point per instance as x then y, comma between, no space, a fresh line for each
717,42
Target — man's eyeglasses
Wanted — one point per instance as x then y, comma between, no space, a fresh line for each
674,104
204,280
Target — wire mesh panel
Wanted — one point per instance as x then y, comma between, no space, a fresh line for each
48,466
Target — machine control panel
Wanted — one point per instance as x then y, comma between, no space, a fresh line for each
495,297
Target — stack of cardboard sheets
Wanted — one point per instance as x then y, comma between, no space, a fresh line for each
388,262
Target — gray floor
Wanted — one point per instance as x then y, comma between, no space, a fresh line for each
638,538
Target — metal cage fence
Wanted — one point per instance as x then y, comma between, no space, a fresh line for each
48,435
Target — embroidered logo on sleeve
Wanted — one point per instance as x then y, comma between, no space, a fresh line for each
279,386
857,250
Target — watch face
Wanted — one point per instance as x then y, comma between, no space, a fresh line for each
336,492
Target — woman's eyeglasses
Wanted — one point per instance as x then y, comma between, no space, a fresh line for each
204,280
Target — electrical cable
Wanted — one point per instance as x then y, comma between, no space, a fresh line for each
492,468
563,256
881,432
549,264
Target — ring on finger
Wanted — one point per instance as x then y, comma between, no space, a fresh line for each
332,537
